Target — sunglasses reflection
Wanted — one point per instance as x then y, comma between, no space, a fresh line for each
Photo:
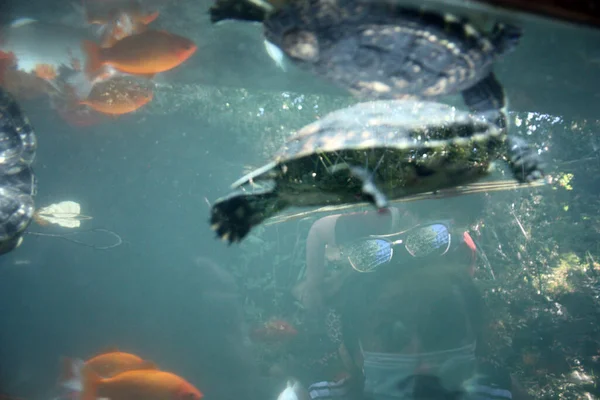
423,241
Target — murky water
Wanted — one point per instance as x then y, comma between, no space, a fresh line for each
145,273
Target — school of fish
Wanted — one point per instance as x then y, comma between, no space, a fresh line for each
107,69
117,375
104,69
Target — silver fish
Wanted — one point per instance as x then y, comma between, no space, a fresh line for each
294,391
276,54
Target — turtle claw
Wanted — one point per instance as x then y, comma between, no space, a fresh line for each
229,219
233,217
369,188
525,163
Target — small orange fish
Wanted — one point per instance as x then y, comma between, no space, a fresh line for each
66,104
121,105
7,63
46,72
22,85
117,96
105,365
138,385
145,53
274,331
115,362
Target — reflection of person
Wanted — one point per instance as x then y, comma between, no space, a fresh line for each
329,234
411,324
17,187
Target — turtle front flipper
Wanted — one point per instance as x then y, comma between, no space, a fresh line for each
239,10
487,98
369,189
524,162
233,216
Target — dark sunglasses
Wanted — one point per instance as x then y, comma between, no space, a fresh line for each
427,240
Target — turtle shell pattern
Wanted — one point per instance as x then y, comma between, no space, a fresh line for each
19,143
380,50
18,183
409,147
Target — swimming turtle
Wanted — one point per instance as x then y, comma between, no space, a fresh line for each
381,50
373,151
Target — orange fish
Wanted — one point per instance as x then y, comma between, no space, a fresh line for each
105,365
7,63
116,96
46,72
145,53
138,385
66,104
274,331
115,362
24,86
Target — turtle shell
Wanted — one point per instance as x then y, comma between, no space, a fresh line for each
380,50
408,147
18,142
19,185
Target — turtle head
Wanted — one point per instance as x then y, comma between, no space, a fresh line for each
505,37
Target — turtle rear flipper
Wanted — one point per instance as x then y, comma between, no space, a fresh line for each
233,216
488,99
524,162
242,10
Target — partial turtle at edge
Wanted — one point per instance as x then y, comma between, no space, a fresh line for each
381,50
